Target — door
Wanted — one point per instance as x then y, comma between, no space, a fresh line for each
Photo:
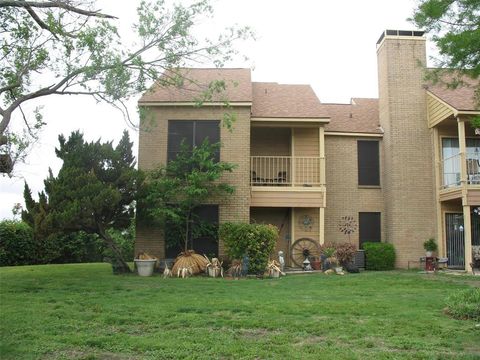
455,240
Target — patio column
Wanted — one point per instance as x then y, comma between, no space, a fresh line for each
463,151
467,233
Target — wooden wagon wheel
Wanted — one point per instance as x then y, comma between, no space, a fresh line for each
303,248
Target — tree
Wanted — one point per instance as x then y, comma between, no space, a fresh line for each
172,192
455,29
61,47
93,192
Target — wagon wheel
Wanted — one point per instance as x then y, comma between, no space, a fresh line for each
303,248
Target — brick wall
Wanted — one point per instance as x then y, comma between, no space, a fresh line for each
408,171
236,149
344,196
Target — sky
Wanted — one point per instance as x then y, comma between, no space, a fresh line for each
330,45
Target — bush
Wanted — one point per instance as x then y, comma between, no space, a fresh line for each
17,246
379,256
345,253
254,240
464,304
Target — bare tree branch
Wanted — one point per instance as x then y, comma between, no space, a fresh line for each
54,4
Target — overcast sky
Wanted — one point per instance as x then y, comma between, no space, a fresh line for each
330,45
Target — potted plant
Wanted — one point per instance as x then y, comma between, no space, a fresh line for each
327,251
430,246
145,264
315,262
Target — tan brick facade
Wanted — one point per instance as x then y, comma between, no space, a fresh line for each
236,149
344,196
408,170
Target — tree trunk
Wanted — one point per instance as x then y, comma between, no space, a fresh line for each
119,265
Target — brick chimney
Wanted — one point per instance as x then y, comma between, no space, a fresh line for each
408,168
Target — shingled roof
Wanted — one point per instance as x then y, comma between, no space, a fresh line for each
360,116
461,98
238,86
273,100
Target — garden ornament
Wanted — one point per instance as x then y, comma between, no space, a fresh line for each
281,260
245,264
306,265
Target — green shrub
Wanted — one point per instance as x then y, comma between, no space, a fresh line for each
254,240
379,256
464,304
17,246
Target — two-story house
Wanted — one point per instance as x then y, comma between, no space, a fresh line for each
404,167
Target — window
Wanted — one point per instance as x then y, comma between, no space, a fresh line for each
202,237
193,133
369,227
368,163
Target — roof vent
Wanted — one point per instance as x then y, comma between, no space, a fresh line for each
403,33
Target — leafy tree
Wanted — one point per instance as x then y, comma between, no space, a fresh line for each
93,192
60,47
173,191
455,29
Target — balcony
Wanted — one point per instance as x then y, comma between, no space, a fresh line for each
456,186
287,181
285,171
452,170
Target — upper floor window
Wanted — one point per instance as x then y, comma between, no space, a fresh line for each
192,133
368,163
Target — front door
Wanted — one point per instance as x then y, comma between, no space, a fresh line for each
455,240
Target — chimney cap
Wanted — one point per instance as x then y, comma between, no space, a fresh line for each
403,33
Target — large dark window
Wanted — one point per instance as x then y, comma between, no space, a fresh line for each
202,237
368,163
369,227
192,133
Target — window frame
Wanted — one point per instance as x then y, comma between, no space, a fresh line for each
361,239
364,166
171,154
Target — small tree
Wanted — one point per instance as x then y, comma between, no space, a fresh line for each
94,192
173,191
454,26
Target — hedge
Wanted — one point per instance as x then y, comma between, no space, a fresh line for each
17,246
254,240
379,256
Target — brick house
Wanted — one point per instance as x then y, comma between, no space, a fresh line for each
405,166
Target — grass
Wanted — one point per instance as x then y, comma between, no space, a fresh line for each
84,312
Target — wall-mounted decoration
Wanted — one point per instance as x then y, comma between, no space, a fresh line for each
306,222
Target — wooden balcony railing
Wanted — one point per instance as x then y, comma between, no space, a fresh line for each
286,170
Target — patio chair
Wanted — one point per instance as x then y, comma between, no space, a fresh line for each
475,264
281,177
473,172
256,180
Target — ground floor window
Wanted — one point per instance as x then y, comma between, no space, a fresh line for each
370,228
203,237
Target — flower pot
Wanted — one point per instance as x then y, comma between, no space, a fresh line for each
429,253
316,265
145,267
213,272
275,274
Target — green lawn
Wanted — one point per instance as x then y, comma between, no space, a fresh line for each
85,312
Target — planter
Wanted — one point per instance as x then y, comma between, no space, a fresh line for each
316,265
429,253
275,274
214,272
145,267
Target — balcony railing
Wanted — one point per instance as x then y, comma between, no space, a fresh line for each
285,170
452,170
